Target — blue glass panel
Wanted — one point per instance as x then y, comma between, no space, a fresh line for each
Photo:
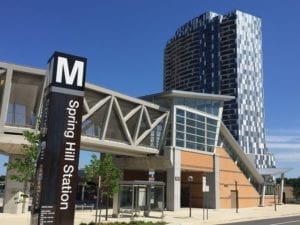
200,125
210,141
191,122
179,143
190,115
180,112
190,137
211,135
200,132
212,121
210,148
191,130
200,118
201,147
179,135
179,127
180,119
191,145
211,128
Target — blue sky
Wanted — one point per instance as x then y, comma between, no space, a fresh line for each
124,42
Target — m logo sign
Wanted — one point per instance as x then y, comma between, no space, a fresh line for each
63,70
56,179
69,71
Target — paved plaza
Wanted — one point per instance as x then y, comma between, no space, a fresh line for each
180,217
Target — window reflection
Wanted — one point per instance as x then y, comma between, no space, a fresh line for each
208,106
24,101
195,131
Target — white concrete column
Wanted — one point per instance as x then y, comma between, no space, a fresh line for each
12,202
263,194
116,205
173,181
116,199
281,189
5,97
213,180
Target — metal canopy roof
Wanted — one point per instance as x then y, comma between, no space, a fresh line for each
189,94
273,171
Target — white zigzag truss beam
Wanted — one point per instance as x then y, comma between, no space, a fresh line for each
147,132
85,106
123,123
141,111
107,118
132,113
147,117
97,106
164,131
137,129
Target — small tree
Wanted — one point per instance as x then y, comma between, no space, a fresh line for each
24,167
295,183
297,188
110,176
2,178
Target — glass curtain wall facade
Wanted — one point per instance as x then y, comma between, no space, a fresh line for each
196,122
195,130
222,54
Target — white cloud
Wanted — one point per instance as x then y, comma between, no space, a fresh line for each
285,143
283,132
285,139
294,146
288,156
282,138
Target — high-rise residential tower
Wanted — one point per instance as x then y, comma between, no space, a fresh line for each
222,54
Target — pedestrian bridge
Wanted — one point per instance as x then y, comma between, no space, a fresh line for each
112,122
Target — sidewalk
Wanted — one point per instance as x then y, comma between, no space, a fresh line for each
180,217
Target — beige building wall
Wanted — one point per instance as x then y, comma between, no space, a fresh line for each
229,175
196,165
197,161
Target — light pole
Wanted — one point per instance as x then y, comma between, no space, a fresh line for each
273,181
190,181
275,208
236,197
97,203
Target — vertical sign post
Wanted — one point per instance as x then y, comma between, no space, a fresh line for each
236,197
190,181
57,165
205,189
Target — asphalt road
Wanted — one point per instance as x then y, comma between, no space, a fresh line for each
294,220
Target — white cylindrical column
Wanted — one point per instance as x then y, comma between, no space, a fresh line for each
173,181
281,189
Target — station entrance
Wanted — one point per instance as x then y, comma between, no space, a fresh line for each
192,190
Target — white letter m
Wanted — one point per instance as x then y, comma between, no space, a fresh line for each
63,68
